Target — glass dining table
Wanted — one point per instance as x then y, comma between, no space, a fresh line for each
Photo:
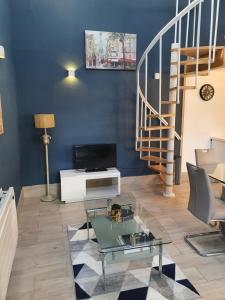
218,173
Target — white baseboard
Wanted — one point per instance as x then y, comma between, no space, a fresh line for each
126,183
40,190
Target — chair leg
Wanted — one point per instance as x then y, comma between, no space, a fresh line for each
213,252
222,227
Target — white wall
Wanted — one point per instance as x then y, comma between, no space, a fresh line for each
203,119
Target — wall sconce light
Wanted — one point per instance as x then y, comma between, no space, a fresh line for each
2,52
71,73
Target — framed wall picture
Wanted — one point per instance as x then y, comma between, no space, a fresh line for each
1,120
110,50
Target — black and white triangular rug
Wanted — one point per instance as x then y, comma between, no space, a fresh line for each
125,279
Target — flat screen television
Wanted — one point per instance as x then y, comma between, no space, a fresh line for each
98,157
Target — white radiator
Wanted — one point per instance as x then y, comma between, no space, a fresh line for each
8,238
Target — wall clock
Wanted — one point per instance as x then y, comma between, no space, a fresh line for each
207,92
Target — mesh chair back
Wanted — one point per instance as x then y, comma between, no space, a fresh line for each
201,200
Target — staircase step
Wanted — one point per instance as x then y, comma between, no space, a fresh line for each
162,116
159,168
200,73
185,87
156,158
168,102
153,149
154,139
191,62
152,128
192,51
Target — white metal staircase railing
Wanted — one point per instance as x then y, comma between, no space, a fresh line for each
190,37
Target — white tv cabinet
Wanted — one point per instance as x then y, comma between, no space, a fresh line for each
78,185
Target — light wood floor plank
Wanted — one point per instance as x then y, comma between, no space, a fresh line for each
42,268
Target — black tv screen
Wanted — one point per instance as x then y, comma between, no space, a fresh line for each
94,157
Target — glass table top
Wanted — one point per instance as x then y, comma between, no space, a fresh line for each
112,236
218,172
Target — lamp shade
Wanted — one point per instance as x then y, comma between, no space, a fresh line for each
44,120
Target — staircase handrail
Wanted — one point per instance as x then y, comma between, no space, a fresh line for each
147,133
166,28
154,111
157,38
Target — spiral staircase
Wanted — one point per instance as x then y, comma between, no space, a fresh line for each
155,114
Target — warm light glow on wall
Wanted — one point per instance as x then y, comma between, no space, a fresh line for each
2,52
71,74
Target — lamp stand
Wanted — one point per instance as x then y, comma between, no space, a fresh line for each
46,140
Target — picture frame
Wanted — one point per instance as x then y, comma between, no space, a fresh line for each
110,50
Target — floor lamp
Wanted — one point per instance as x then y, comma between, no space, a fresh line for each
45,121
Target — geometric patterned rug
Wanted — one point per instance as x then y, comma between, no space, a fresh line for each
126,280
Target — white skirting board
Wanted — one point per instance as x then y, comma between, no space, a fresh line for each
8,238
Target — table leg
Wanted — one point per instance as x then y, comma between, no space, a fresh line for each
223,193
103,269
222,226
160,259
88,234
151,251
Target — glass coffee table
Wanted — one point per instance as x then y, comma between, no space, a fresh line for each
139,237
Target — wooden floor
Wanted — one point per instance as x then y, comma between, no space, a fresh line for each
42,268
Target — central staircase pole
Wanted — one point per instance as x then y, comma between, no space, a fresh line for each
171,122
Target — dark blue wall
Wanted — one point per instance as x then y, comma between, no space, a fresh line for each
100,107
9,141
